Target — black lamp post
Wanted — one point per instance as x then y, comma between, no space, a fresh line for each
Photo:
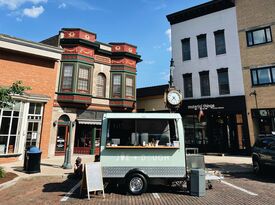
172,68
255,96
67,160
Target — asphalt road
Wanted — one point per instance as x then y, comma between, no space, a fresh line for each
242,188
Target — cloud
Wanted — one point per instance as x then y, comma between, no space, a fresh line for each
149,62
33,12
165,75
15,4
62,6
168,34
161,6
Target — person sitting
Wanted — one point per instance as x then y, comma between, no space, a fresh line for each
78,167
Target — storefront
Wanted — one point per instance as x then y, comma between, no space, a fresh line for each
263,121
216,124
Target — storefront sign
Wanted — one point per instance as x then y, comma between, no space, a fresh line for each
204,107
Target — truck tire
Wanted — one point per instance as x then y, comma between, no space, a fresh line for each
136,184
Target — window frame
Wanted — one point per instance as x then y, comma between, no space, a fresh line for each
133,86
182,50
204,73
215,37
113,85
102,86
257,76
220,71
83,79
202,37
62,77
258,29
189,76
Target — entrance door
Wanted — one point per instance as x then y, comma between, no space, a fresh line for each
61,139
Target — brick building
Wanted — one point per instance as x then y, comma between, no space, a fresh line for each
94,78
256,28
29,121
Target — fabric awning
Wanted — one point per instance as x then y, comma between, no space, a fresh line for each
89,122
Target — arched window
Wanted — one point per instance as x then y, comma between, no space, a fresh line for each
100,85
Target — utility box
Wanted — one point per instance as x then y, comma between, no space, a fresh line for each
197,182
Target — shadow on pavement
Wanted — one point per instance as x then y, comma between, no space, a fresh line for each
64,186
230,167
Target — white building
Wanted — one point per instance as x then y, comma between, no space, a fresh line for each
205,48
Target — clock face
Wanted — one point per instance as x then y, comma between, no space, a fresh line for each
174,97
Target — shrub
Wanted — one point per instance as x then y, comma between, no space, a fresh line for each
2,172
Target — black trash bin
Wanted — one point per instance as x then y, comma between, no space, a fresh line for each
33,159
25,159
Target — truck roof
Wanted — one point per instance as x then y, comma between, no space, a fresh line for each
142,115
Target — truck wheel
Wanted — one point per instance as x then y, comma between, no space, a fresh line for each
136,184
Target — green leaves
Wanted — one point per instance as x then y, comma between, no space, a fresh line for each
6,93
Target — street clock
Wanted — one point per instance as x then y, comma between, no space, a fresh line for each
174,97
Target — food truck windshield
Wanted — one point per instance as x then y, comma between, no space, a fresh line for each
142,132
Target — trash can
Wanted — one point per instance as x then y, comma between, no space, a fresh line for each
25,159
197,182
33,159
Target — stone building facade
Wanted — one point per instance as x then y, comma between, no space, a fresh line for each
256,28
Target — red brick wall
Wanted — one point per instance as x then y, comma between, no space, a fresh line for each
38,73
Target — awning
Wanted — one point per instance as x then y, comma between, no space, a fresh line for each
89,122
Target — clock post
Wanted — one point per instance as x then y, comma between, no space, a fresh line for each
172,97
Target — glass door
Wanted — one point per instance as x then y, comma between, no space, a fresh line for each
61,138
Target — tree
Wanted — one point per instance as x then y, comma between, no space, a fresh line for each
6,93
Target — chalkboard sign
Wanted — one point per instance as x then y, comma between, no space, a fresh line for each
92,178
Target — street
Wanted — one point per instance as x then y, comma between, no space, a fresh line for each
239,188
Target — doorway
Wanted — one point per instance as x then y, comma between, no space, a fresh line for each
62,135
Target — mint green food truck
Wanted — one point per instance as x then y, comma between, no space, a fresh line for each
138,149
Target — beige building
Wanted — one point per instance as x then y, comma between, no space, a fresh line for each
151,99
256,27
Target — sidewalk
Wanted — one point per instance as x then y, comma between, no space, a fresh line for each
52,166
49,167
229,164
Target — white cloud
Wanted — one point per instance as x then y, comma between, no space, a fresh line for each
165,75
168,34
62,6
161,6
33,12
149,62
15,4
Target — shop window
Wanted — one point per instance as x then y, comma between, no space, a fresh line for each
67,77
263,76
220,42
205,84
187,83
152,133
186,53
34,124
259,36
129,86
202,46
83,79
223,81
116,85
100,85
10,120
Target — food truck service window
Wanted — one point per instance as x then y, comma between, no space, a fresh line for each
142,133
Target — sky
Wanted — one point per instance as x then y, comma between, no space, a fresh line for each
139,22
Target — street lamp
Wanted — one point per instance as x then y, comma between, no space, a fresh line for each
172,68
255,96
67,159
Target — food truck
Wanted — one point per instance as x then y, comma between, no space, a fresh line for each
138,149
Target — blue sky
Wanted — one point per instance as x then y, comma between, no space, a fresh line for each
139,22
